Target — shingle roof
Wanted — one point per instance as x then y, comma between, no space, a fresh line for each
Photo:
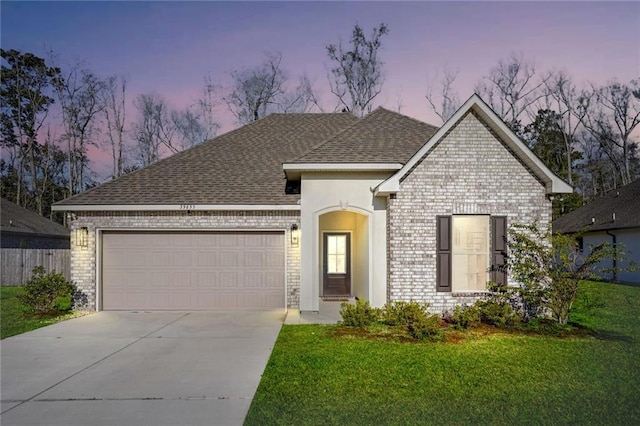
381,137
243,166
624,202
20,220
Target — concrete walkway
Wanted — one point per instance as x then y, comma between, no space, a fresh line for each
126,368
328,313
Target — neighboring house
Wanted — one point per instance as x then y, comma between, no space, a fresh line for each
22,228
298,207
612,218
28,240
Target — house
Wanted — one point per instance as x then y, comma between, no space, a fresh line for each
294,208
28,240
22,228
612,218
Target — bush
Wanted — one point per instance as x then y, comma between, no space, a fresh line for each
425,326
42,291
359,315
402,313
497,313
466,317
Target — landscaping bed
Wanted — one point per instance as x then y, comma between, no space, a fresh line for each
587,374
16,318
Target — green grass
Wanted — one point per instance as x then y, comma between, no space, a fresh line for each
316,378
15,318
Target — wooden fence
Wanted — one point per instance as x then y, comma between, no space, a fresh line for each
17,263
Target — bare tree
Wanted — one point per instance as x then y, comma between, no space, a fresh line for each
447,96
152,129
80,93
196,123
511,89
256,90
302,99
614,117
357,77
189,128
571,106
115,114
259,91
206,105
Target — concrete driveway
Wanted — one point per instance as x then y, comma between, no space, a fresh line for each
147,368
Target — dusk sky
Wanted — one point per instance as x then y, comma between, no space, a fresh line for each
168,47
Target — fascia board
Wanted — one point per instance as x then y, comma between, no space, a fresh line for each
173,207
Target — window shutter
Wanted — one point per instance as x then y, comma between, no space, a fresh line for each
498,249
443,253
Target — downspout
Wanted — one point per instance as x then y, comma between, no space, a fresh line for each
614,242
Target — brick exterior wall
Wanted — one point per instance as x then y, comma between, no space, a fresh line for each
83,260
469,172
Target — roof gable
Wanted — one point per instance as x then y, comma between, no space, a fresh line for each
553,183
618,208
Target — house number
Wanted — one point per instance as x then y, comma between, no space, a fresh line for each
187,206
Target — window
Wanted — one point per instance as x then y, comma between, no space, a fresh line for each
470,250
336,254
470,253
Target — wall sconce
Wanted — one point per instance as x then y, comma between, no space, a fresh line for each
295,235
82,237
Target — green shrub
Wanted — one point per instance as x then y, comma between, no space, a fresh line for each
359,315
43,291
400,313
497,313
466,317
425,327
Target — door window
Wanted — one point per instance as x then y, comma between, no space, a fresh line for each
336,254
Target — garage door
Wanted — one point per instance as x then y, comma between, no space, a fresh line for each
192,271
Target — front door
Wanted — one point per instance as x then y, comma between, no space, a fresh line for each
336,264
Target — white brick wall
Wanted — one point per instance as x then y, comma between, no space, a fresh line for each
83,260
469,172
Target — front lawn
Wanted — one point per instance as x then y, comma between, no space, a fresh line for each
314,377
15,318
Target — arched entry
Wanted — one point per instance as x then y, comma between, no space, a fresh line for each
343,255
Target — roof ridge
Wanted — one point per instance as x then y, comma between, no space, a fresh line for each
361,120
406,116
318,145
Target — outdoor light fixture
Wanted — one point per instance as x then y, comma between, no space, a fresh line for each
295,235
82,237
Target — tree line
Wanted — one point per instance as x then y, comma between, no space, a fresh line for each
53,115
586,134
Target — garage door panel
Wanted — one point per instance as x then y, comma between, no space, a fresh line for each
187,271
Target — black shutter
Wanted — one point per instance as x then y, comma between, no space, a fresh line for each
443,253
498,249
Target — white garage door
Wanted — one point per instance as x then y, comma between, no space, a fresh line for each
192,270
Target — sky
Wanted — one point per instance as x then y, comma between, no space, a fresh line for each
168,48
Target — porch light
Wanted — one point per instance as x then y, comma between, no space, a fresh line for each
82,237
295,235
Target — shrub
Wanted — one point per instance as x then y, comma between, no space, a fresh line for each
425,327
497,313
550,266
359,315
466,317
42,291
400,313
